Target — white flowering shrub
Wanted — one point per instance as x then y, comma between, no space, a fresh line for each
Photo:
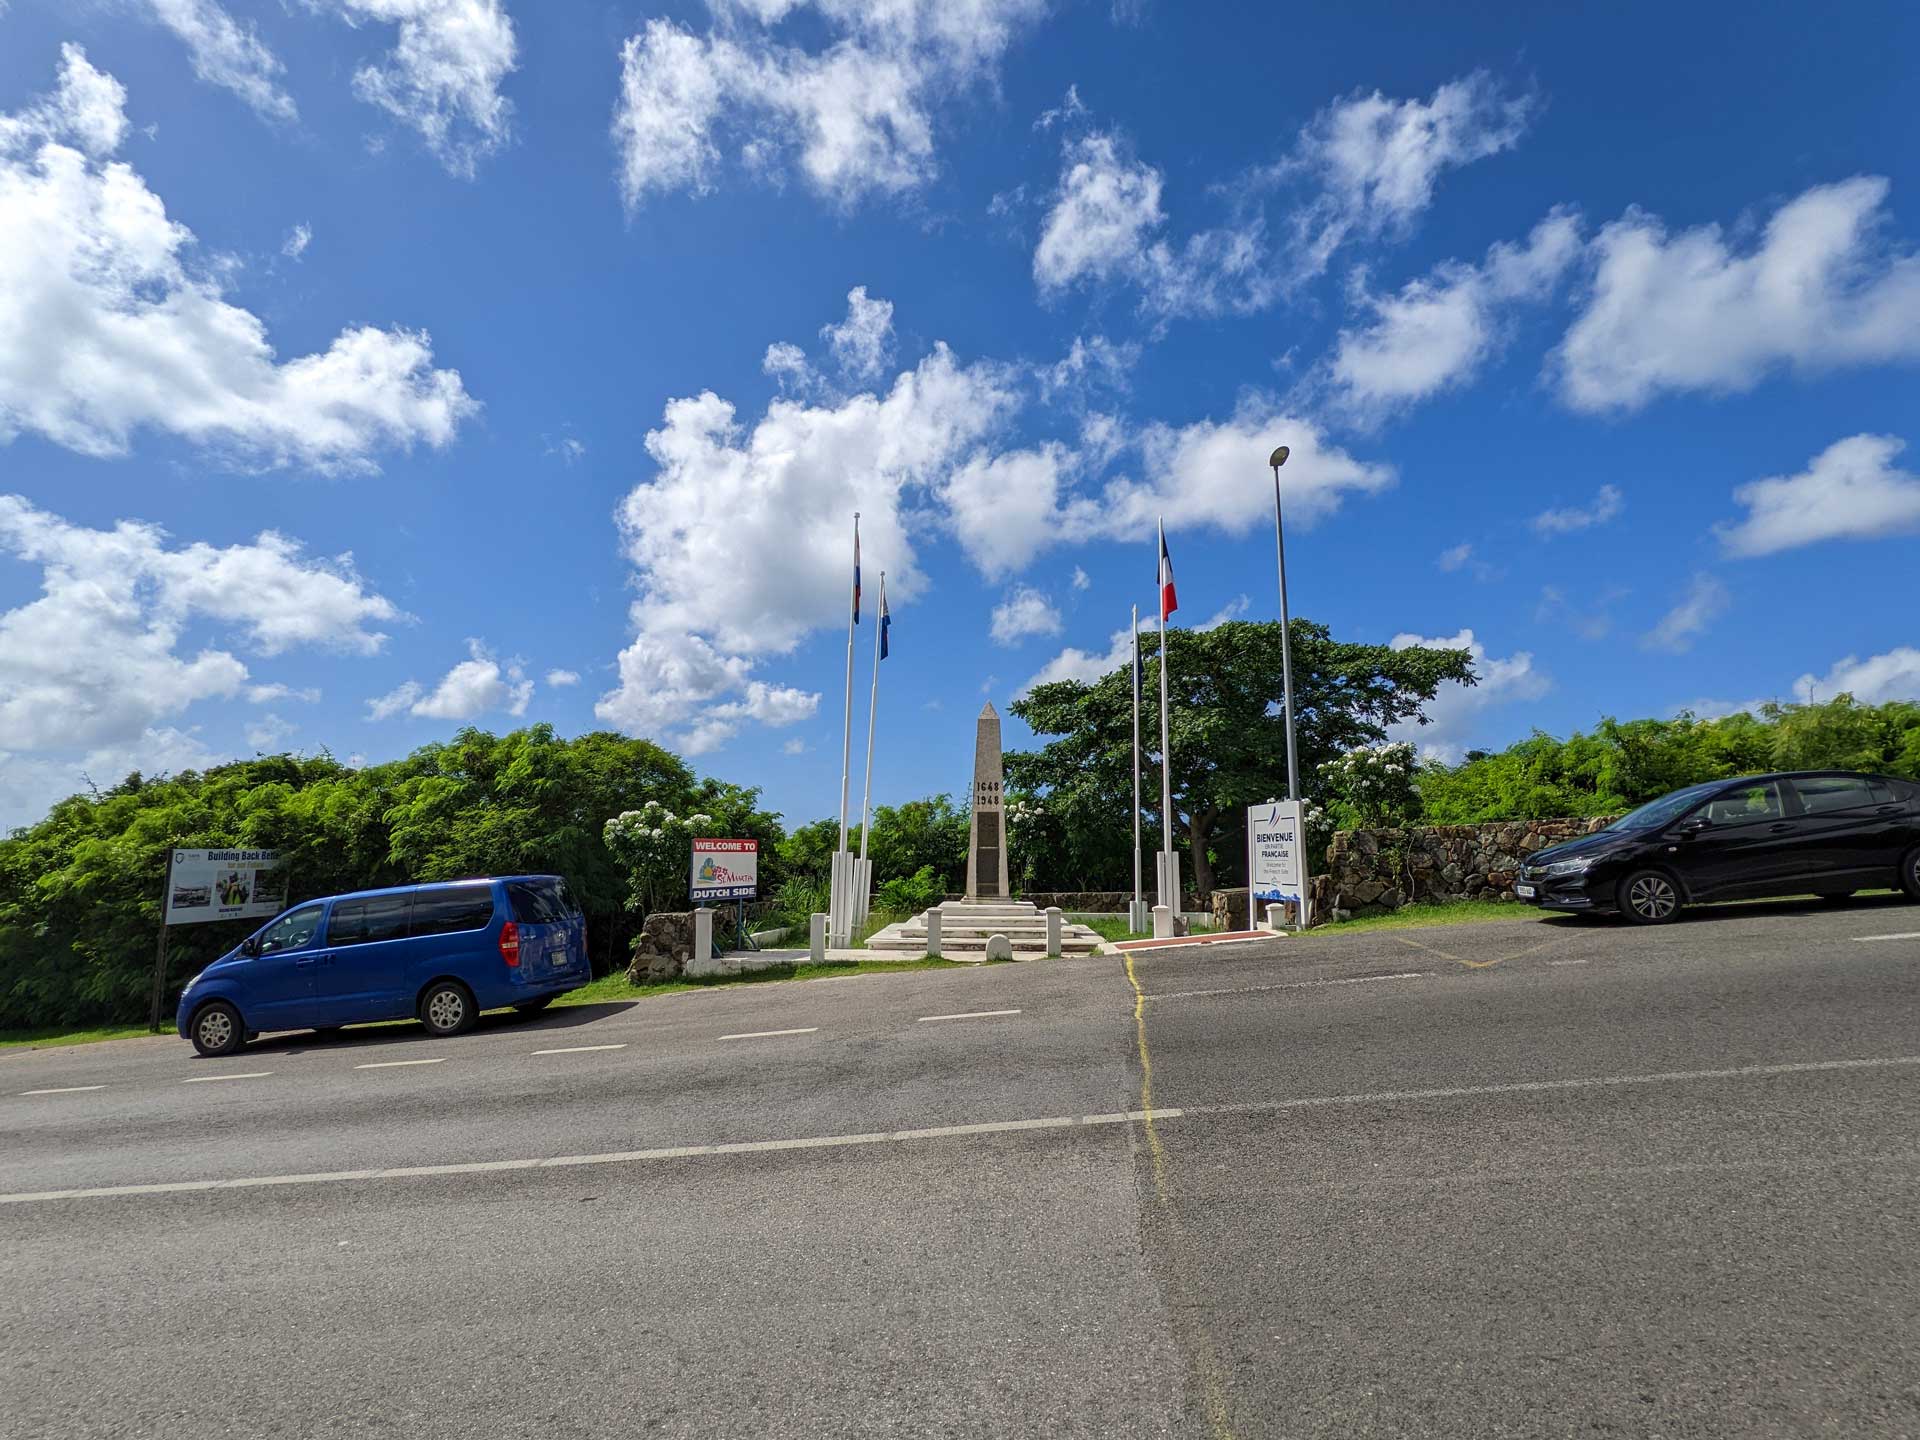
1369,787
655,847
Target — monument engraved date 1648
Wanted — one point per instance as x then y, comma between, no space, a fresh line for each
987,840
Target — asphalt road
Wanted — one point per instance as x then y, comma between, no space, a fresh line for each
1530,1178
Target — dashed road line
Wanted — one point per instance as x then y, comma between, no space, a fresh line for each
1904,935
965,1015
396,1064
64,1090
580,1049
1580,961
770,1034
243,1075
1289,985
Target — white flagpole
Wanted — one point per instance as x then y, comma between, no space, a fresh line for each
846,746
1170,877
873,709
1136,764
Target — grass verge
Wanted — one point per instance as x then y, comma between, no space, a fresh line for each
615,987
1445,912
44,1039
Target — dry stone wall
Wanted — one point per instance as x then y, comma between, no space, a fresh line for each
662,948
1370,872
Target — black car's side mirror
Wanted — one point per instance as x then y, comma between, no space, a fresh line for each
1694,826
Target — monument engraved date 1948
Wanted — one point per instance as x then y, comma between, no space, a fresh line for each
986,842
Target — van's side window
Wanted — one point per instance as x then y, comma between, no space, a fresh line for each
361,922
290,931
541,902
441,912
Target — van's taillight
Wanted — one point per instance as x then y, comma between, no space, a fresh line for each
510,943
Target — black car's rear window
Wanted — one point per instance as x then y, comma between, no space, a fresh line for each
541,902
456,907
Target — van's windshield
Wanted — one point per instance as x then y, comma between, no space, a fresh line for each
541,902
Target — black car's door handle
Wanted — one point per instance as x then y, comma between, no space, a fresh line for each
1782,826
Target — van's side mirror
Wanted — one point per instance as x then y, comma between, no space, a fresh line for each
250,946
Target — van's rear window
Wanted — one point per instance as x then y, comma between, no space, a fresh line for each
541,902
441,912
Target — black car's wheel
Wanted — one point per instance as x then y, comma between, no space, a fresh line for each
1649,897
530,1007
1910,873
216,1029
447,1008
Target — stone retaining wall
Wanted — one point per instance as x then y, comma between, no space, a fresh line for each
662,948
1371,872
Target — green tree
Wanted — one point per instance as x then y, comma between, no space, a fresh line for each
1228,739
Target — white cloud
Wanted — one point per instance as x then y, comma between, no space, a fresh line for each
471,688
1436,332
1873,681
787,363
1087,666
1103,228
31,784
1375,161
1819,289
560,679
1024,613
443,75
795,746
1849,491
1607,503
1081,581
1091,363
1455,556
1232,610
1004,507
1456,713
227,53
863,342
94,662
845,90
105,330
1705,601
267,694
268,731
297,241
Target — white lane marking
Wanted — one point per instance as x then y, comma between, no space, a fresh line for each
1290,985
1566,962
943,1132
580,1049
1905,935
395,1064
64,1090
619,1157
1524,1087
769,1034
965,1015
243,1075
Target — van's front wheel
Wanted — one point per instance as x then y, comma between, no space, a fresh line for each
217,1029
447,1008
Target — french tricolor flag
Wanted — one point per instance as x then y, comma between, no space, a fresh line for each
1168,602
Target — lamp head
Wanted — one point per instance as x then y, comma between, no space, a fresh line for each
1279,457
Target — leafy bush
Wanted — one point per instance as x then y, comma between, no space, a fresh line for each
910,894
797,901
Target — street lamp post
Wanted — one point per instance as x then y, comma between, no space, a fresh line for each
1276,460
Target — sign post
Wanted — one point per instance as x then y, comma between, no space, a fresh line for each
726,870
204,885
1276,858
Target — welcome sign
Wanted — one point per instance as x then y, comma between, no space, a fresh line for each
1276,852
725,870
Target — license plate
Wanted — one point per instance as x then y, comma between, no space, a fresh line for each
1525,892
559,959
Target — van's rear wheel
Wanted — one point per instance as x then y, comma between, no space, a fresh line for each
1648,897
217,1029
447,1008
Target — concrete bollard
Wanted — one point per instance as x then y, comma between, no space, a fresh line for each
1054,919
817,938
703,936
1139,917
933,932
999,947
1276,917
1163,922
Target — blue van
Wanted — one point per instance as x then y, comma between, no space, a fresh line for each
440,952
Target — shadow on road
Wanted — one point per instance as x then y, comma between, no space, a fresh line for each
360,1037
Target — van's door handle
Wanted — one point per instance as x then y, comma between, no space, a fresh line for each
302,961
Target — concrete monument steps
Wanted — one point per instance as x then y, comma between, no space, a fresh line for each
965,927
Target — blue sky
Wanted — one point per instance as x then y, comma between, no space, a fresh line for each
582,330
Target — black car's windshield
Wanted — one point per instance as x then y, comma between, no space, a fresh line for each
1665,810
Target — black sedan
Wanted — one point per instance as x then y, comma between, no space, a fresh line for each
1826,833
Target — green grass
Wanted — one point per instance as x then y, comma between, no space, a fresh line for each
42,1039
1445,912
612,988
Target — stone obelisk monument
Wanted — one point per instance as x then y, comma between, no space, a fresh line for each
986,842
